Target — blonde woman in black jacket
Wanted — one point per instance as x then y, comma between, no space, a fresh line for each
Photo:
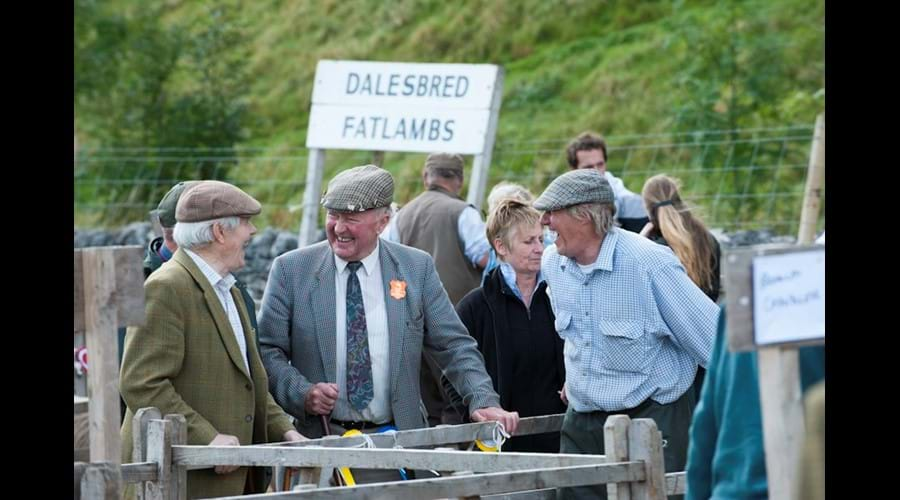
511,319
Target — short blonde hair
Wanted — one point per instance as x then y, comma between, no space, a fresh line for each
508,215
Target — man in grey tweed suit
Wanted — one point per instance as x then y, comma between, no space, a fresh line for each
303,326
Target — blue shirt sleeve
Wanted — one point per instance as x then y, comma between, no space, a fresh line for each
471,232
689,314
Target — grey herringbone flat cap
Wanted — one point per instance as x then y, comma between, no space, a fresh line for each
208,200
585,185
359,189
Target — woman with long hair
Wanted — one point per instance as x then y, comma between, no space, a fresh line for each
672,223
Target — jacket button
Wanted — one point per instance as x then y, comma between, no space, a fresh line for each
248,418
249,387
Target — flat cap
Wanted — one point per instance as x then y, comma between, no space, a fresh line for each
166,208
359,189
575,187
442,163
209,200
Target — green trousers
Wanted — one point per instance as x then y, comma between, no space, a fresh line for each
583,433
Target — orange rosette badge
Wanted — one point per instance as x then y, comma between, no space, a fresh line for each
398,289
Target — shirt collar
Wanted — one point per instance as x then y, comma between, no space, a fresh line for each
368,262
214,278
604,258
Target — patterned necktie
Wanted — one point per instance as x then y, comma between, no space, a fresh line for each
359,366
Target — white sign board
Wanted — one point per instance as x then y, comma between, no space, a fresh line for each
789,297
386,106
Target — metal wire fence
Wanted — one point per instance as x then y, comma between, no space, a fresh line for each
739,179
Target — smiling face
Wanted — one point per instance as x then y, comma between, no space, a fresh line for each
354,235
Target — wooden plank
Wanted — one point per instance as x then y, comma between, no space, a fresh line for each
139,425
481,484
159,450
78,267
615,443
436,436
815,177
128,288
738,276
676,483
178,485
80,467
130,285
782,416
103,367
645,443
545,494
138,472
101,481
199,457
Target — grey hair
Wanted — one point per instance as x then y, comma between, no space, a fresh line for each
197,234
601,214
505,189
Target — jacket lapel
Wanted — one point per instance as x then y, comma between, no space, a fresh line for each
322,303
215,308
395,306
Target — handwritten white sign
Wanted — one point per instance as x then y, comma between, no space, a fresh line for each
389,106
789,297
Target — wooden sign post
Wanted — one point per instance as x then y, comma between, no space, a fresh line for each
775,297
109,293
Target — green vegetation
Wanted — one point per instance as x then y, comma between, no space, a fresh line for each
239,75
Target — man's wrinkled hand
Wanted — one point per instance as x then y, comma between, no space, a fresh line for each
509,419
225,440
321,398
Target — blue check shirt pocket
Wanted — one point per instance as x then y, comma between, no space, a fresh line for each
624,346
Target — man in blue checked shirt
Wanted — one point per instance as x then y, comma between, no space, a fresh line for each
634,324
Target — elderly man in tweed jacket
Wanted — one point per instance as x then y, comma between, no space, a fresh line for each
197,354
358,359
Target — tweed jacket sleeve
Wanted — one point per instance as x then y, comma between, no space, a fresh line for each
153,357
449,342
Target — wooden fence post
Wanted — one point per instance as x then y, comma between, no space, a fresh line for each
102,481
159,450
146,490
615,444
178,427
645,443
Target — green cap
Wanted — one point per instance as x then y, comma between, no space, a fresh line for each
166,209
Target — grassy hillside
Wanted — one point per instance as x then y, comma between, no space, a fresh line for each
615,67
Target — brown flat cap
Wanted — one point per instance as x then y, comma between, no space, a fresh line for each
208,200
444,163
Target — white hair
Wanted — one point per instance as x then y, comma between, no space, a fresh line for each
600,214
197,234
505,189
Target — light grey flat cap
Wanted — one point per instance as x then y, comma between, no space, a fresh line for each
359,189
584,185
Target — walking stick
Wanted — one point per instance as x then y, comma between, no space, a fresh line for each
326,431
